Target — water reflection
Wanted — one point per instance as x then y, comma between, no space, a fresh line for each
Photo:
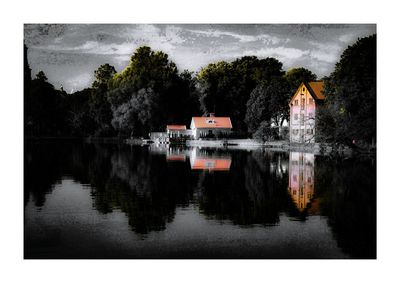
301,179
202,161
234,187
199,159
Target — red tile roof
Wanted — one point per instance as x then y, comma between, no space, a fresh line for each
211,164
176,127
317,88
212,122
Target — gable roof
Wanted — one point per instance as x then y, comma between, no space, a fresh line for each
212,122
176,127
315,88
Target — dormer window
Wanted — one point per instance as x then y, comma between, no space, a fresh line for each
210,121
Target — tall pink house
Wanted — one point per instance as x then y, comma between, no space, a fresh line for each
303,106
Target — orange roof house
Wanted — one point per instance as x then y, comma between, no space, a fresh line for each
303,110
212,122
211,125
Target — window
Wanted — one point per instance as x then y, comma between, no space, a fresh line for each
296,116
302,119
310,101
302,132
295,132
304,89
303,101
296,102
294,192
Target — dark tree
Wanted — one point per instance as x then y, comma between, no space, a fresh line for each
296,76
267,108
150,93
100,107
225,87
103,75
45,113
349,115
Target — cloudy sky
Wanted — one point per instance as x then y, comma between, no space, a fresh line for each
69,54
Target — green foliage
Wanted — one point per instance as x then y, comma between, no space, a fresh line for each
350,110
265,132
225,87
103,75
150,93
296,76
267,105
147,68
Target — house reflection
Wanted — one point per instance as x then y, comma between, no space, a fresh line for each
176,154
301,178
202,161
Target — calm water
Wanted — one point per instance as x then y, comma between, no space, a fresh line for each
118,201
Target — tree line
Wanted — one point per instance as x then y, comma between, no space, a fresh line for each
151,93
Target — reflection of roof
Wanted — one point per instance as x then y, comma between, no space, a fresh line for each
212,122
176,127
316,88
176,157
211,164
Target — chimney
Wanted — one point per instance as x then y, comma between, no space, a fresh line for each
211,115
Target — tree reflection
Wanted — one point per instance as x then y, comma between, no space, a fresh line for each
250,193
347,189
256,188
144,187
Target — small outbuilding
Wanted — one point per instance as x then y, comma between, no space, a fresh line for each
176,131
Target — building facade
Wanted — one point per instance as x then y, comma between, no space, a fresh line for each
211,126
303,109
177,131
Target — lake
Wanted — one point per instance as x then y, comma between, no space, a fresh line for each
91,200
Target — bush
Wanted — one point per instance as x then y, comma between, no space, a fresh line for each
266,133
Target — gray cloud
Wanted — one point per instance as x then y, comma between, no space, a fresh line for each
69,54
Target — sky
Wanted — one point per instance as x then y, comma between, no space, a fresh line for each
70,53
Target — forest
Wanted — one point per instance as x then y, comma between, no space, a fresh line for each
151,92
